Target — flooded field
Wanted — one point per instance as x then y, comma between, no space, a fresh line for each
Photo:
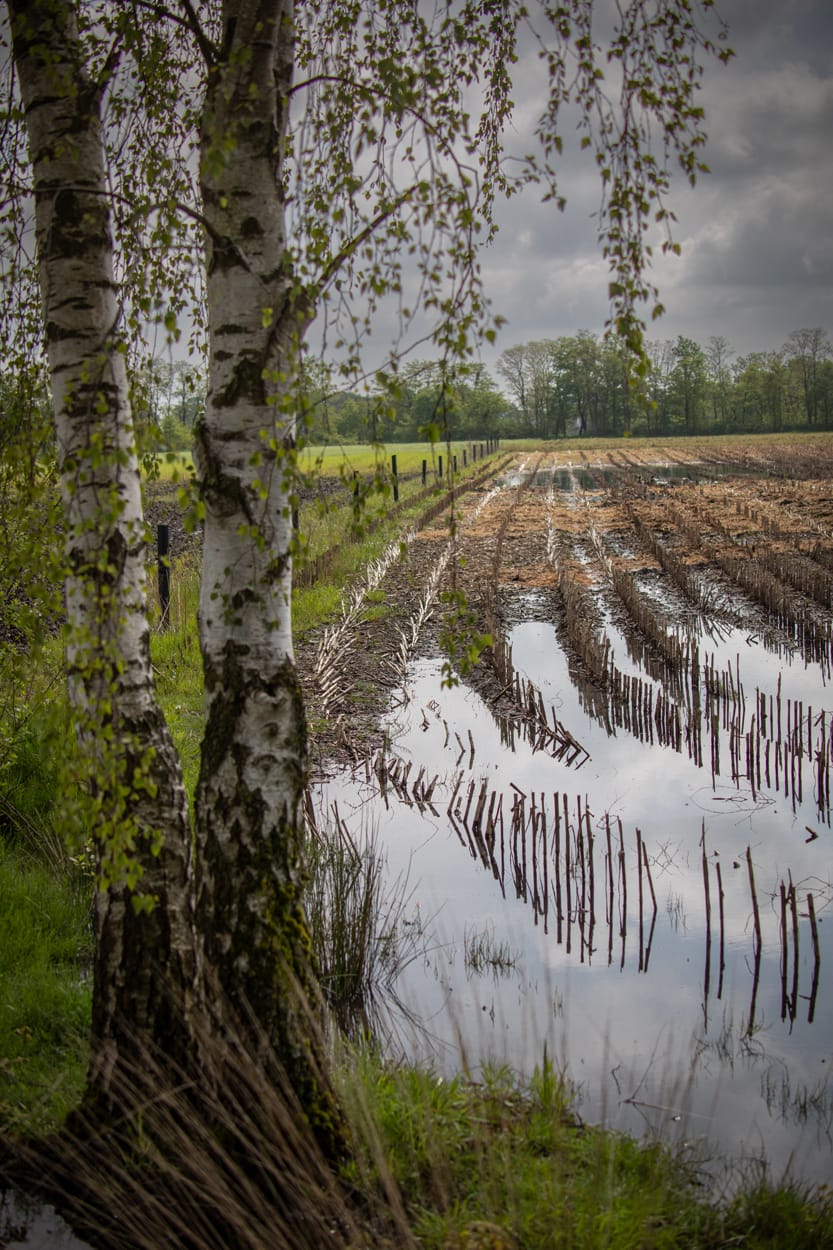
617,834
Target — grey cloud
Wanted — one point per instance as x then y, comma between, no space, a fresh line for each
769,121
757,233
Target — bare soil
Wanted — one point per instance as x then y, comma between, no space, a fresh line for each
752,522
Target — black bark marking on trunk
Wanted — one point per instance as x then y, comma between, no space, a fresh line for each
223,493
87,565
246,382
252,855
144,976
79,220
224,255
277,568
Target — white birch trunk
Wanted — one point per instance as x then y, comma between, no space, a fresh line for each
254,752
145,963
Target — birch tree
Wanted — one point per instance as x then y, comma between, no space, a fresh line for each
139,800
349,160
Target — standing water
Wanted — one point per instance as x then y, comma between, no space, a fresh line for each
638,887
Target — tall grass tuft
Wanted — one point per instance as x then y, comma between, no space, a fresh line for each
226,1163
363,929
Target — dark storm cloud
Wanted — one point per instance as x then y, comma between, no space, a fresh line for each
757,233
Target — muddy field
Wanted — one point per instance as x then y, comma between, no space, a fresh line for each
659,543
630,792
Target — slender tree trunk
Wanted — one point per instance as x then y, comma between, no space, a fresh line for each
145,958
254,752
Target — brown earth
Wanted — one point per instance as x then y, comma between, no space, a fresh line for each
763,512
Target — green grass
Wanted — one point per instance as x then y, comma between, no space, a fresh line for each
45,953
502,1163
338,460
321,603
174,466
177,666
325,523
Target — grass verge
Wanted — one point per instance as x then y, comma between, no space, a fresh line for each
501,1164
45,953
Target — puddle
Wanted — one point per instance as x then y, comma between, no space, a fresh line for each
34,1225
602,477
668,908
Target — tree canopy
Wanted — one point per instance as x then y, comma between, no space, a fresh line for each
581,385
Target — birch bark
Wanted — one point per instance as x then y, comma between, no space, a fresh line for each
145,959
254,751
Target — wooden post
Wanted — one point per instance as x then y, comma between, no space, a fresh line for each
395,479
164,566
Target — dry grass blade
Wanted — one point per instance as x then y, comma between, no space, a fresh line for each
362,932
228,1163
227,1159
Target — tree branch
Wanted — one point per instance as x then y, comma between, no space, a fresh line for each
190,23
161,10
109,67
206,47
353,244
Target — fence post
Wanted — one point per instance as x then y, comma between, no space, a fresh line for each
163,538
395,479
424,472
440,467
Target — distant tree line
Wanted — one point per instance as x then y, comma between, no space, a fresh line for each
552,388
424,399
580,385
168,399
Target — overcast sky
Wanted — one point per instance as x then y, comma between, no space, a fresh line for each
756,233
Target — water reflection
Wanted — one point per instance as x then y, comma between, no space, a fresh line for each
24,1223
670,899
601,477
